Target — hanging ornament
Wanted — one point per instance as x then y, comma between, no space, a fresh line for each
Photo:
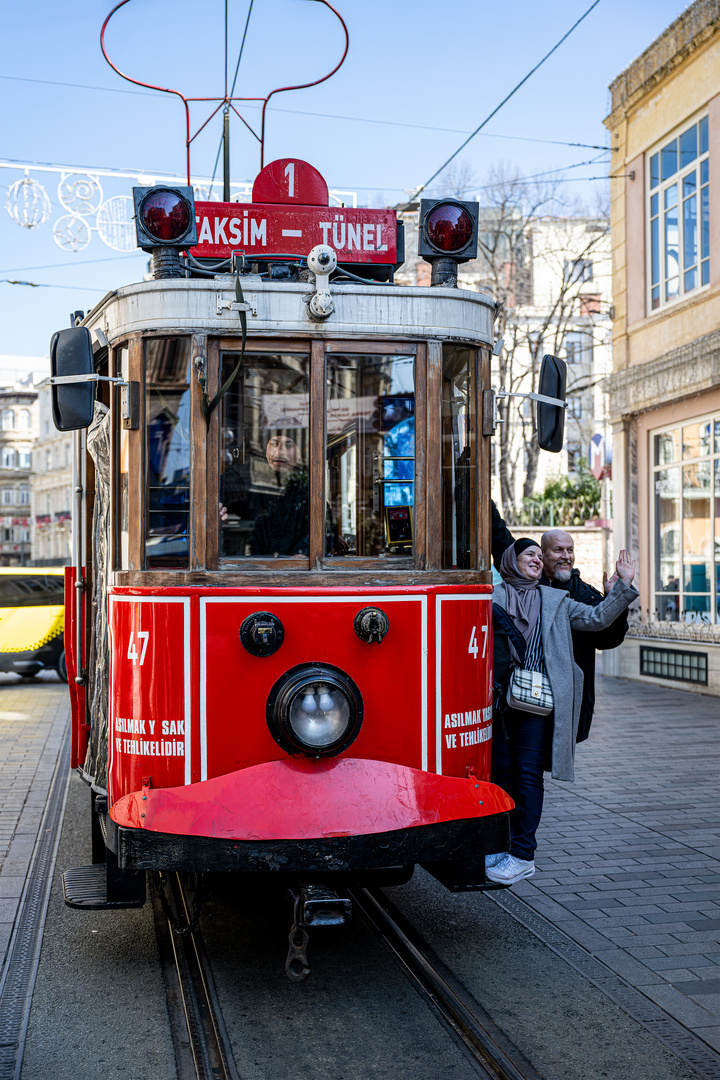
28,203
206,194
71,233
115,224
80,193
244,195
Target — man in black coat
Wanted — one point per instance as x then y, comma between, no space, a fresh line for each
558,551
559,572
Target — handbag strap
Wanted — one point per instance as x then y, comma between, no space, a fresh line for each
504,621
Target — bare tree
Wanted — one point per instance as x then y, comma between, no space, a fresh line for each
533,261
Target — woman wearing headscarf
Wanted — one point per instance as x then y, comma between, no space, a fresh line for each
532,632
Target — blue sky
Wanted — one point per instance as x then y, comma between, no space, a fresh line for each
418,77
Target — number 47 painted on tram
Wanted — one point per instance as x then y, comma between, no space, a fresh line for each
473,646
132,653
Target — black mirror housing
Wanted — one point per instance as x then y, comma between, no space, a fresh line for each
71,353
551,418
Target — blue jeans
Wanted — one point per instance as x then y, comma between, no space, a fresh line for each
517,767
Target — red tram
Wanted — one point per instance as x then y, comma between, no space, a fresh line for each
279,617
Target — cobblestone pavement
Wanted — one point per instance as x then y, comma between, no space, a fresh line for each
628,862
33,719
628,859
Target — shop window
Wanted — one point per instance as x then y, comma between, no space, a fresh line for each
678,215
686,541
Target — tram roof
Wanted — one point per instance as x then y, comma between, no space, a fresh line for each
184,306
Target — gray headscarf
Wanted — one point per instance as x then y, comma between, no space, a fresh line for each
523,594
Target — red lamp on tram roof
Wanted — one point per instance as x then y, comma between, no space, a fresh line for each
165,225
447,235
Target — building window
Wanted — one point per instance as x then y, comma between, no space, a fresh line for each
24,419
674,664
577,270
8,457
574,454
575,407
8,497
678,212
24,496
25,458
8,420
686,526
67,453
48,459
578,347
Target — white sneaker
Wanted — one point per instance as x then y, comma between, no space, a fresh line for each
493,860
509,870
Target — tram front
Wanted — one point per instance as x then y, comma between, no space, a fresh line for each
283,658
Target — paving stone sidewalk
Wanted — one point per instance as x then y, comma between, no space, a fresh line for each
628,859
33,720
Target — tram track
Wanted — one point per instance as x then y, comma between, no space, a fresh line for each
203,1050
496,1056
202,1047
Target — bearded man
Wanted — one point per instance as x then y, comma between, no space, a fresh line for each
558,555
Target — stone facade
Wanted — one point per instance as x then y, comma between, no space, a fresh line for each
51,489
666,336
18,428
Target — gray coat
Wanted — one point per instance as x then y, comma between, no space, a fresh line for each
560,615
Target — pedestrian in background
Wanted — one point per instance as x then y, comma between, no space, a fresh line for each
537,690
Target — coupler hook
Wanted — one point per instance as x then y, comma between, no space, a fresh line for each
297,967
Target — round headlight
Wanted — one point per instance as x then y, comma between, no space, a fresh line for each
315,709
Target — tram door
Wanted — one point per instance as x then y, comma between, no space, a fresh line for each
370,452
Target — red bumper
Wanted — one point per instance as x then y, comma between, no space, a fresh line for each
304,799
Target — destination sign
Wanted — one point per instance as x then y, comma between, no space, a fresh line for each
264,230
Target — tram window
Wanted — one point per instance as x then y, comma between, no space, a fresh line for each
370,455
459,472
167,410
123,517
264,483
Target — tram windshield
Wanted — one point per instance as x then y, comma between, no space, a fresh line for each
265,468
264,480
370,452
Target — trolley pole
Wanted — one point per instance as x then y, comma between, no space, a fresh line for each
226,154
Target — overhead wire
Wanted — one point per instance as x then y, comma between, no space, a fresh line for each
328,116
504,101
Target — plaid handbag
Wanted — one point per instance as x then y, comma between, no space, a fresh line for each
530,691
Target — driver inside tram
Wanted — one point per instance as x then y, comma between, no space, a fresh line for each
280,513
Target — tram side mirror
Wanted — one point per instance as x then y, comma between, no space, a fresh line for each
551,418
73,403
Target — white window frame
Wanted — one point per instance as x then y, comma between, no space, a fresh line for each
663,185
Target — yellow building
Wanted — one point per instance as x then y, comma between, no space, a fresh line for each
665,389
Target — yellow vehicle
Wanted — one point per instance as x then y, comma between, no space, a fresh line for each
32,620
